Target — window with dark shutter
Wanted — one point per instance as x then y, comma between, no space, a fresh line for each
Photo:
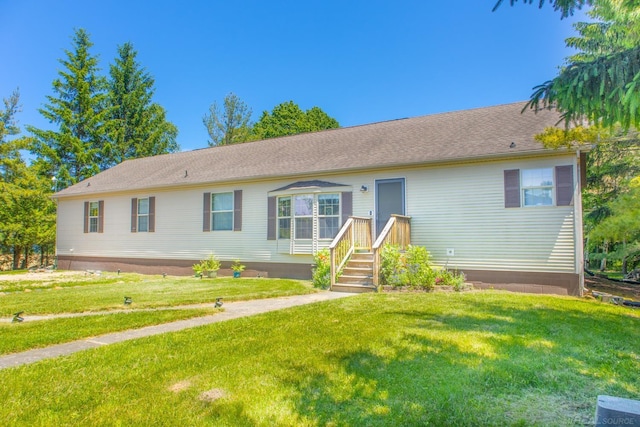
564,185
512,188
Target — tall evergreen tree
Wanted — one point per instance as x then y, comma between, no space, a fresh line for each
76,149
601,83
10,158
231,125
138,126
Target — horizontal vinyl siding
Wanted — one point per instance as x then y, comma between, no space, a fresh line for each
462,208
459,207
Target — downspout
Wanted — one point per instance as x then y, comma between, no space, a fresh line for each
579,228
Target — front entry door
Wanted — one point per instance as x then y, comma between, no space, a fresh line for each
389,200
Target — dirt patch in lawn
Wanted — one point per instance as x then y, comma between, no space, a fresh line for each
212,395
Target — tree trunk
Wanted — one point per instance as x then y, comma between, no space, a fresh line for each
25,262
16,257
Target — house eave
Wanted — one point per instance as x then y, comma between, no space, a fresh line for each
542,152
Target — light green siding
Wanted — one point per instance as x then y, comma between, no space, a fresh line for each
460,207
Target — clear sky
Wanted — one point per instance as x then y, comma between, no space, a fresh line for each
361,61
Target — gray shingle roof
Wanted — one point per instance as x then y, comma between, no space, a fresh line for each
447,137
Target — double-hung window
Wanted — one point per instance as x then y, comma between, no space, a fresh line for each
537,187
328,215
94,216
284,218
222,211
303,215
143,215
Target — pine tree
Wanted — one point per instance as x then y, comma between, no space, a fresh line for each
601,83
76,150
138,127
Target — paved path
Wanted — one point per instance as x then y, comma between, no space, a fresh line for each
232,310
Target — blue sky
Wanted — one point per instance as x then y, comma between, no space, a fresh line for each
360,61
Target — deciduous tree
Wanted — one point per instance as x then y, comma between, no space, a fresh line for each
229,125
289,119
27,213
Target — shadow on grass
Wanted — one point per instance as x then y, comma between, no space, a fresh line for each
496,365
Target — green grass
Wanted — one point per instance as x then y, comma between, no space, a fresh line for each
106,292
16,337
482,358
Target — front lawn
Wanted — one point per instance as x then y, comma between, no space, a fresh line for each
107,292
481,358
16,337
69,292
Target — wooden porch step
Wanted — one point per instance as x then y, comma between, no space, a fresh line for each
352,279
353,288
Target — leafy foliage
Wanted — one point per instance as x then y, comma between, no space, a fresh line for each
232,125
27,214
289,119
414,270
138,126
622,226
321,276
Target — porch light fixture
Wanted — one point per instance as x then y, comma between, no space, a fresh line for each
364,188
512,145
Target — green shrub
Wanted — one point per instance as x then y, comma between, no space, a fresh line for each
454,279
419,273
413,269
392,266
322,269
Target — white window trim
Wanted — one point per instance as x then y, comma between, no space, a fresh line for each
92,218
551,187
139,215
315,216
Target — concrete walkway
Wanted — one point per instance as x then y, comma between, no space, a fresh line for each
232,310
